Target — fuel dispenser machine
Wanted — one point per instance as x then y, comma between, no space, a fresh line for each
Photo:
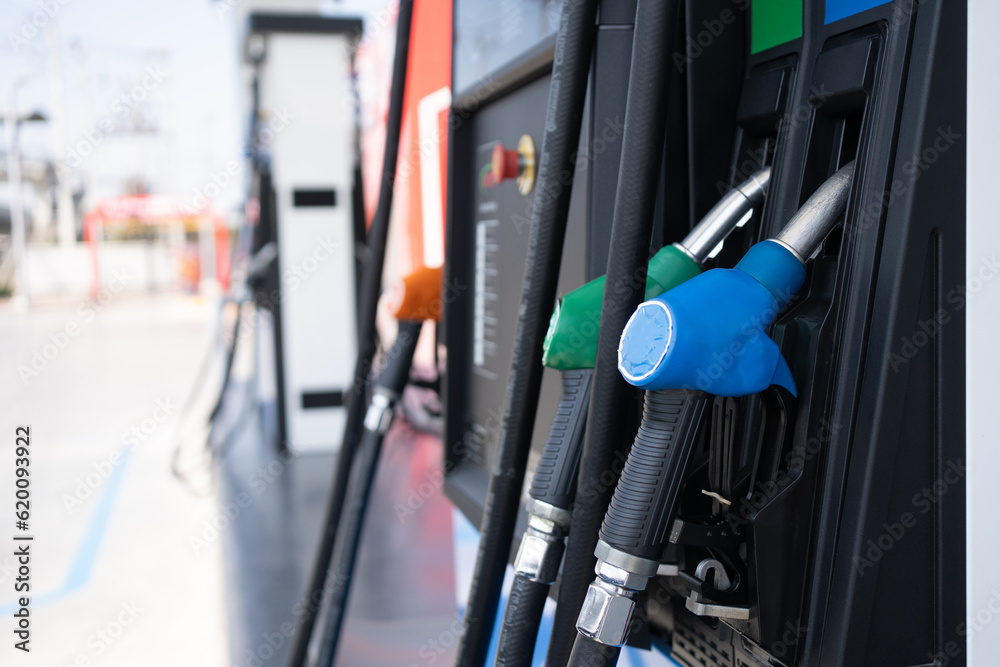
303,149
817,515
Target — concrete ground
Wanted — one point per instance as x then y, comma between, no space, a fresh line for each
131,567
115,577
402,607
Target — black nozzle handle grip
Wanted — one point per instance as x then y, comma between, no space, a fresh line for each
554,481
643,507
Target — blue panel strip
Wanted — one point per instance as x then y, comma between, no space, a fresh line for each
841,9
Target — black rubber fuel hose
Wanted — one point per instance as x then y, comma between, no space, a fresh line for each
521,621
589,653
370,292
564,115
388,389
554,484
635,199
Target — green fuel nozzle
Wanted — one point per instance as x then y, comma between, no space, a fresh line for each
571,340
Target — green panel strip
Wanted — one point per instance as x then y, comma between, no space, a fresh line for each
774,22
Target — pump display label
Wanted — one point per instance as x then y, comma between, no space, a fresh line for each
774,22
841,9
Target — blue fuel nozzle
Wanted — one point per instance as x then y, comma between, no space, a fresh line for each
709,333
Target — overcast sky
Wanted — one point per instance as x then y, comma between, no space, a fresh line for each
181,57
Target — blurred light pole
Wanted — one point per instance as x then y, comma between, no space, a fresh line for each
17,228
65,214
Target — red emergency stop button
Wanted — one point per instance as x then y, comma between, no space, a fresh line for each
506,163
520,164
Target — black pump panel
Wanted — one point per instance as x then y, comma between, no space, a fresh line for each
872,427
812,482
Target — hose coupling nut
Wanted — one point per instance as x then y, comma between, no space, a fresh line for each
606,613
607,610
541,550
543,510
378,418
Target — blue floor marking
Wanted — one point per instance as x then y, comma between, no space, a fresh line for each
83,562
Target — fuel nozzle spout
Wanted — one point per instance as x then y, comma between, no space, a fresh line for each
709,333
571,340
729,212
